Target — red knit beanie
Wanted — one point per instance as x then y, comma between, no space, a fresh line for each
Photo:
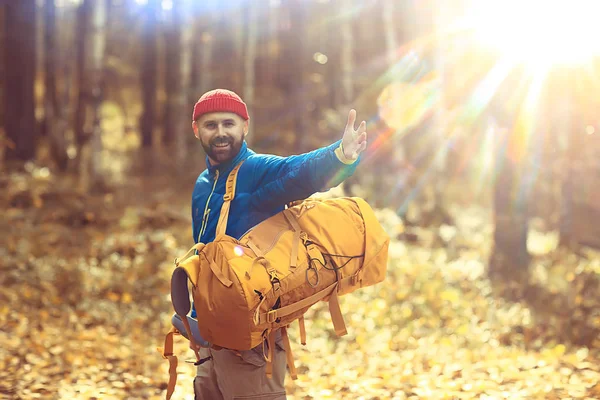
220,100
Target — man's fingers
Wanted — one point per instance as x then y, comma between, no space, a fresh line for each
362,137
359,150
351,119
363,147
362,127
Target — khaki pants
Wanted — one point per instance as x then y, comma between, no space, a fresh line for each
232,376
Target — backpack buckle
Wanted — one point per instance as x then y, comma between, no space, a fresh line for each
271,317
276,284
274,279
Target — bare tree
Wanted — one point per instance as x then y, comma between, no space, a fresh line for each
272,42
347,54
173,78
510,258
81,33
291,79
206,51
249,60
55,118
237,18
149,72
90,177
566,128
182,123
338,50
441,136
19,77
50,58
199,24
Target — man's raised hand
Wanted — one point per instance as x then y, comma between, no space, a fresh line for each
354,142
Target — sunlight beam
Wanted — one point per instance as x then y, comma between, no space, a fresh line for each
538,32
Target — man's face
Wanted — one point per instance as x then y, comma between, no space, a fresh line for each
221,135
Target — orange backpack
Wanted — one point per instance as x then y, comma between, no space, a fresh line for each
244,290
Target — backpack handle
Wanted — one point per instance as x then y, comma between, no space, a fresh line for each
197,246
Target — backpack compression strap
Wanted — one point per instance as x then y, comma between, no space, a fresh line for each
227,199
334,307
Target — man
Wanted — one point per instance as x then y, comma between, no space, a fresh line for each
265,184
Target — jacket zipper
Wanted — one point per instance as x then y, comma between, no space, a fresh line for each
206,209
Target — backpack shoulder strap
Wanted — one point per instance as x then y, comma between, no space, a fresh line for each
227,199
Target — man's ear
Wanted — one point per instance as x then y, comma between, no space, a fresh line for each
195,129
246,128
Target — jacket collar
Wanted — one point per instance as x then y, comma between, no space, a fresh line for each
224,168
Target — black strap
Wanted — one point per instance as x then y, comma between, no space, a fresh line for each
201,361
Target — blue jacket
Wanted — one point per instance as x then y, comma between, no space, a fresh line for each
265,184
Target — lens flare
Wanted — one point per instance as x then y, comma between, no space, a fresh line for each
238,251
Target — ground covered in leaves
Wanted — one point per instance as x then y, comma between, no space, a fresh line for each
84,283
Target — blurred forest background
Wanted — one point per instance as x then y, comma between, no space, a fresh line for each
483,165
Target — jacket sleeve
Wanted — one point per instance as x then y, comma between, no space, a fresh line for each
280,180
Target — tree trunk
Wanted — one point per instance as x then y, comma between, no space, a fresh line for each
249,63
206,52
272,42
55,124
19,78
50,58
149,72
292,77
510,258
173,89
571,182
91,178
441,138
4,145
195,73
201,78
347,54
329,74
223,51
81,35
334,63
238,41
183,120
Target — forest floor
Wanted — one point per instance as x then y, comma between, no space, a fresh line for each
84,303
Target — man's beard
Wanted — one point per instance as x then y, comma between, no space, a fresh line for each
222,154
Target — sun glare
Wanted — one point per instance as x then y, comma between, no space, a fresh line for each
539,32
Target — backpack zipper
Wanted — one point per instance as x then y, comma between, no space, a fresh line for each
206,209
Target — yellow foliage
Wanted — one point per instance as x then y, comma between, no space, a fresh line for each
434,329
